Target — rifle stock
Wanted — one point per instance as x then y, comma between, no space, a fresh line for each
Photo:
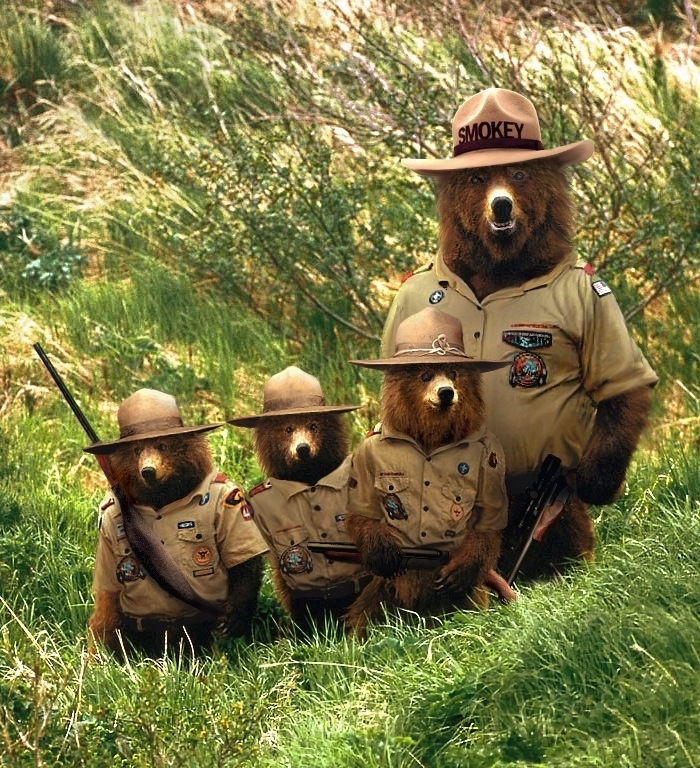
550,487
414,558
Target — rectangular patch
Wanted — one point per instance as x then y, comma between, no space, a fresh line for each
391,474
203,571
186,524
246,512
601,288
120,530
527,339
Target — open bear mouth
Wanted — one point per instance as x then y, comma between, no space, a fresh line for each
502,227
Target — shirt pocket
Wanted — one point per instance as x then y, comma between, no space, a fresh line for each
393,491
458,502
290,545
198,549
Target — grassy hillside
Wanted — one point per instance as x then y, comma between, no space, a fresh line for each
195,195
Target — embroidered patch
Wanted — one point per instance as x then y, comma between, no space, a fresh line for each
436,296
493,460
449,533
260,488
528,370
527,339
203,571
246,512
387,473
456,512
463,468
340,518
204,499
235,497
394,507
601,288
129,569
295,560
203,556
121,533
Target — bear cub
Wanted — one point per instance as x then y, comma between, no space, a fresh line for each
430,475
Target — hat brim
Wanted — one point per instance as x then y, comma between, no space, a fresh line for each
254,419
483,366
569,154
113,445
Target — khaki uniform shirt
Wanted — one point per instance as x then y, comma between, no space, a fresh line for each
291,514
568,347
207,532
430,501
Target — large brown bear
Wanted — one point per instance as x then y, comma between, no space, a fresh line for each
184,557
302,447
429,476
577,386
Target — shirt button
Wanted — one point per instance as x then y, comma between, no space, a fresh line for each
425,509
477,334
317,507
458,498
428,458
324,535
391,487
198,536
427,482
423,534
313,488
159,517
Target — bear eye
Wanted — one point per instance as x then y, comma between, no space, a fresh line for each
476,179
519,176
289,430
162,447
452,375
427,375
137,451
314,427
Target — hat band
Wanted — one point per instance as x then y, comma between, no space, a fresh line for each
300,401
505,143
153,425
440,347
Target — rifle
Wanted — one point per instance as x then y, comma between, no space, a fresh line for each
414,558
147,547
547,497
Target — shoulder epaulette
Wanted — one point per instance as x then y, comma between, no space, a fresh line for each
220,478
376,430
417,271
585,266
259,488
107,504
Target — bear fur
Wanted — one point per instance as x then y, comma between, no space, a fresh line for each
501,226
155,472
435,406
302,448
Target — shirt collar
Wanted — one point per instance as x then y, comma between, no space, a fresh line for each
444,274
392,434
336,480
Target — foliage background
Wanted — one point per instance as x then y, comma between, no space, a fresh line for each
194,195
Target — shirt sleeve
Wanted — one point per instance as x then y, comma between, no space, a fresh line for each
237,535
491,497
611,360
361,493
104,577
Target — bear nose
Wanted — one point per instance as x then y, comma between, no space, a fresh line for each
502,208
446,395
148,474
303,450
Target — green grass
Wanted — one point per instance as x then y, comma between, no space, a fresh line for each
193,204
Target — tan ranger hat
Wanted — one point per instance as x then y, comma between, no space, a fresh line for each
430,337
496,127
288,393
145,414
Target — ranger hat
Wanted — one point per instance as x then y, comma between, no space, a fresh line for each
496,127
430,337
146,414
289,393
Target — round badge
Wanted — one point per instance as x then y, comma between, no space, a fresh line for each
295,560
456,512
129,569
234,498
436,296
528,370
202,556
463,468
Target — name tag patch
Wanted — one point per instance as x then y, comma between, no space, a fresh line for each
601,288
186,524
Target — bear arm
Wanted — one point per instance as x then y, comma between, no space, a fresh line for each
617,428
379,549
244,582
471,564
104,621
